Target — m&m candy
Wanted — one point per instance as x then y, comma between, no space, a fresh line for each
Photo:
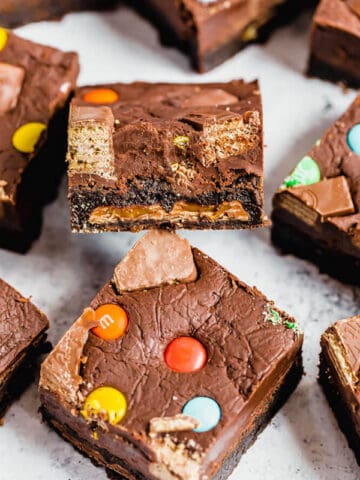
112,322
3,38
353,139
101,96
185,355
107,402
306,172
27,136
205,410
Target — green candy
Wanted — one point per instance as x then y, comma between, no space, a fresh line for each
305,173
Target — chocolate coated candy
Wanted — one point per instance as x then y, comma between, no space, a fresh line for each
204,409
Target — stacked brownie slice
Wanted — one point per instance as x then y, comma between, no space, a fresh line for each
173,369
35,85
166,155
316,210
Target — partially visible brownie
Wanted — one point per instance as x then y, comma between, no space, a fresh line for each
335,42
35,85
174,369
145,155
18,12
316,210
211,31
22,336
340,376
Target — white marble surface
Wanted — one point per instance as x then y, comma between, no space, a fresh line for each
63,271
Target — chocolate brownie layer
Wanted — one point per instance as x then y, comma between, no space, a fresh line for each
340,348
316,210
335,42
166,155
18,12
22,336
247,358
35,85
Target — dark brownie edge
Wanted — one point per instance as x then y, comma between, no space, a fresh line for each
338,406
39,186
317,68
291,241
23,374
279,397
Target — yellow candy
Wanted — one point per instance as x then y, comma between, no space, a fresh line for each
3,38
27,136
107,402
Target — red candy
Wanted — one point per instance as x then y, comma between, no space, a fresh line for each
185,355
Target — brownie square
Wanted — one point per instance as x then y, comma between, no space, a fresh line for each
147,155
174,369
22,336
335,42
35,85
18,12
339,376
211,31
316,210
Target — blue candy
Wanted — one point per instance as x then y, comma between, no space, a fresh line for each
204,409
353,139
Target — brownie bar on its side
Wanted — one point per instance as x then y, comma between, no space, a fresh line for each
22,336
35,85
335,42
316,210
18,12
171,316
339,376
213,31
166,155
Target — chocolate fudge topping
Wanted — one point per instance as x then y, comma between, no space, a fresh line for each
22,329
335,41
340,375
178,155
35,83
321,197
251,347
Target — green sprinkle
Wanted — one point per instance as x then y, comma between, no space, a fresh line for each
181,142
274,317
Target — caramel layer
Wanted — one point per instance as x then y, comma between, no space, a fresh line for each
181,211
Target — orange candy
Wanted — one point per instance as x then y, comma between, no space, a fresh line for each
113,322
101,96
185,355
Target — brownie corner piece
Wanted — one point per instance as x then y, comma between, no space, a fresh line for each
335,42
148,155
316,209
22,339
339,376
174,368
36,82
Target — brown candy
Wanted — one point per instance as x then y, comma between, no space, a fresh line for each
159,258
11,80
329,197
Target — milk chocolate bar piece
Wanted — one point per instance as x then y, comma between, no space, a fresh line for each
164,378
22,338
211,31
166,155
35,85
316,210
339,376
335,42
18,12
